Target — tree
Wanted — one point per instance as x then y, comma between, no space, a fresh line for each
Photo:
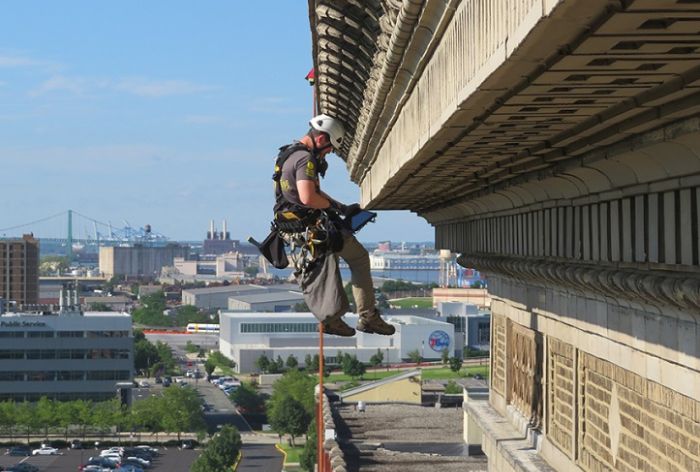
147,414
263,363
415,356
247,398
297,385
353,367
65,416
251,271
445,356
105,414
182,410
301,307
289,416
280,364
8,416
191,347
83,414
307,459
292,362
209,367
27,418
455,364
45,412
221,451
220,360
145,354
376,359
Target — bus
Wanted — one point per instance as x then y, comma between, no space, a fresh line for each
202,328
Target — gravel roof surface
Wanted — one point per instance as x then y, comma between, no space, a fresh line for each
367,438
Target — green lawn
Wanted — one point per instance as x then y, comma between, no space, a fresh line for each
293,453
446,373
442,373
414,302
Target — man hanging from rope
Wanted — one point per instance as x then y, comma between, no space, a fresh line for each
298,190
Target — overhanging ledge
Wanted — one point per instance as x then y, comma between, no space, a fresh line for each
506,448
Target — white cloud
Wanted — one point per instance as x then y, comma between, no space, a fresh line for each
10,61
75,85
158,88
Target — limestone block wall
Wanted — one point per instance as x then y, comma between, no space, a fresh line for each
620,385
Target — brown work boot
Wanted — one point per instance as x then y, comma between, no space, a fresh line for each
375,324
336,325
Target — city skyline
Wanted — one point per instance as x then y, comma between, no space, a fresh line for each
172,124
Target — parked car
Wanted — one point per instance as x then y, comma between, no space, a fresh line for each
76,444
144,384
129,468
95,468
22,467
167,381
19,451
159,380
187,444
45,451
103,462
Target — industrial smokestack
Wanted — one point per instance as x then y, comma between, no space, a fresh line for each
210,234
224,233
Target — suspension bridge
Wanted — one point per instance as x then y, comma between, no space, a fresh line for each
72,231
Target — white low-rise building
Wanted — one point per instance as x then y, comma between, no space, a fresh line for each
244,337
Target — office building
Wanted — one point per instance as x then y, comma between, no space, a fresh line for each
65,356
19,270
244,337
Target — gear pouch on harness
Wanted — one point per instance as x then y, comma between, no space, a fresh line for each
273,249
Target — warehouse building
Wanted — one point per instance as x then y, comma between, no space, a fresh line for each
244,337
139,260
277,301
218,297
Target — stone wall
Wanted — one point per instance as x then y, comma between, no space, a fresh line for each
611,402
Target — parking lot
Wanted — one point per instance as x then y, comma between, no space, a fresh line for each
170,460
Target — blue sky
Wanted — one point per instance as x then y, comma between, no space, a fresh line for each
161,112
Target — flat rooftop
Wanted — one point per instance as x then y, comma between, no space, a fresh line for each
409,438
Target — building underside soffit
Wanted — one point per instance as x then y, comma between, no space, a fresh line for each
474,121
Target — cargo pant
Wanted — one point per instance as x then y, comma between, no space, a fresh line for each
357,258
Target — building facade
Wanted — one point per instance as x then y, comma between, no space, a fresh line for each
19,270
244,337
554,145
138,260
65,357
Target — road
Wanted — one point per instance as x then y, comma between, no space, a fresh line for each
259,453
260,458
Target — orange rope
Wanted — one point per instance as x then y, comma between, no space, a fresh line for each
319,413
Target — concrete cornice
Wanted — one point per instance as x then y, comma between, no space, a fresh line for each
655,288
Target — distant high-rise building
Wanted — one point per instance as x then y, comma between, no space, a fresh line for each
19,270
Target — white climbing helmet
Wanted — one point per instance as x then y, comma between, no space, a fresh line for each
330,126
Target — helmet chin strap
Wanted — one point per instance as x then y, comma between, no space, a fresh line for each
316,152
